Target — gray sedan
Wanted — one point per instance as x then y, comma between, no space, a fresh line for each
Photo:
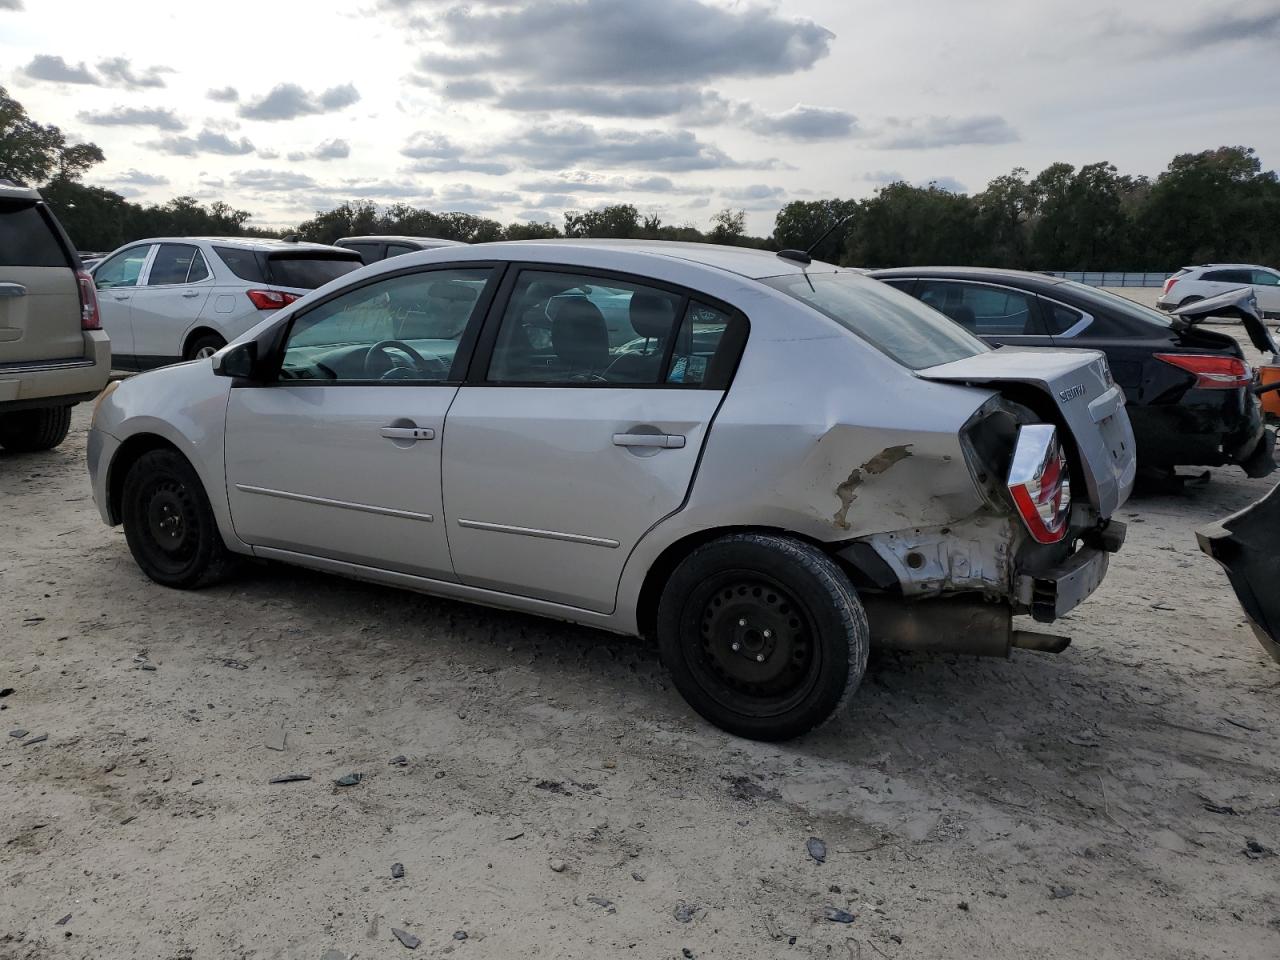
764,463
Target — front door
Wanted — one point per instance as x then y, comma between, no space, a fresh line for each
169,302
340,457
564,447
117,280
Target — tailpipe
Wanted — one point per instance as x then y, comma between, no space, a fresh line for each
952,626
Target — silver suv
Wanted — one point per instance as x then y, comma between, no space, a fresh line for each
1192,284
53,352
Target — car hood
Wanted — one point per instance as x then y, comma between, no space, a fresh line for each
1079,383
1241,304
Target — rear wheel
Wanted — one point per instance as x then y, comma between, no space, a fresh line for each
205,346
26,431
763,635
169,524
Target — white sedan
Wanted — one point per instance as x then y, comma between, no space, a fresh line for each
772,450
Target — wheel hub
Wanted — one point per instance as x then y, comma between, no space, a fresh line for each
166,520
754,638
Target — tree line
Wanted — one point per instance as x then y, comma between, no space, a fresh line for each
1216,205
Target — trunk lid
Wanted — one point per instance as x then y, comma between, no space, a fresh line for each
1087,400
1241,304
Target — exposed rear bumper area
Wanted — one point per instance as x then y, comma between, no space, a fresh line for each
1049,594
1244,544
53,382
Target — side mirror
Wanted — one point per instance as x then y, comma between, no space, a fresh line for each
239,362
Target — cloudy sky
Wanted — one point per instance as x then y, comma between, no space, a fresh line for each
521,109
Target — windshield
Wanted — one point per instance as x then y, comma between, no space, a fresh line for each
891,321
1116,303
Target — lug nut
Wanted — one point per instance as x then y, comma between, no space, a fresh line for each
768,634
742,623
736,646
759,658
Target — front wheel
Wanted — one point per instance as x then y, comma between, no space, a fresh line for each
763,635
169,524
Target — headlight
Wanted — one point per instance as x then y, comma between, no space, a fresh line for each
110,388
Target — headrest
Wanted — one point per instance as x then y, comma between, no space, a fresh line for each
652,315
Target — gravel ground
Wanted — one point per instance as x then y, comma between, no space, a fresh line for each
556,798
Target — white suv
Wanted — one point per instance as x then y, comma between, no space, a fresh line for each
1199,283
169,299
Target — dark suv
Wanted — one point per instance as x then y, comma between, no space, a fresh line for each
53,351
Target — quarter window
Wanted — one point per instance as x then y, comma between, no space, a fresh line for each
396,249
1061,319
986,311
172,264
122,270
405,328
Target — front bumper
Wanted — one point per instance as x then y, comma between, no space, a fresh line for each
99,452
1049,594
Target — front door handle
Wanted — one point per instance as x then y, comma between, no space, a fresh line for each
120,296
408,433
665,441
12,290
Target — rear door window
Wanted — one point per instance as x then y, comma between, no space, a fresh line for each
172,264
1229,276
123,269
396,249
1265,278
988,311
27,239
308,272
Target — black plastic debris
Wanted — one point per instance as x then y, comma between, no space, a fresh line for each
39,738
1220,808
350,780
290,778
7,691
459,934
19,733
836,915
64,921
147,666
406,938
234,664
400,761
817,849
686,953
684,912
397,871
1256,851
1061,893
604,902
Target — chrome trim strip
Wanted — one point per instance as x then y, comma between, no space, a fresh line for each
36,366
326,502
544,534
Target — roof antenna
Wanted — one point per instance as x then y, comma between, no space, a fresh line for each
805,257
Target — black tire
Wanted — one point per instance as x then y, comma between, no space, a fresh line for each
26,431
169,524
762,634
207,344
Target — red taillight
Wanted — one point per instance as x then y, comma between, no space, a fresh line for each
89,317
1039,482
1211,373
271,299
1168,284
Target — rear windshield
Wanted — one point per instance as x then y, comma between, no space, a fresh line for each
893,322
290,270
27,239
1085,294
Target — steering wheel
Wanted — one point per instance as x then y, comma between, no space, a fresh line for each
429,368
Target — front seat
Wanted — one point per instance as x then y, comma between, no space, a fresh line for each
580,337
652,317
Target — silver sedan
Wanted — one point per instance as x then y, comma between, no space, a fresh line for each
763,463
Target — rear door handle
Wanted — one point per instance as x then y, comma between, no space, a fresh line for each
120,296
408,433
12,290
666,441
191,293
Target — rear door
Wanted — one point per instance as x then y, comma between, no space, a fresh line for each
39,295
1266,285
168,302
117,280
561,449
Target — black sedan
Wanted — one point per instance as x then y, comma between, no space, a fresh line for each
1188,389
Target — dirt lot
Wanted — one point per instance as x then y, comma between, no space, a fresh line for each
557,799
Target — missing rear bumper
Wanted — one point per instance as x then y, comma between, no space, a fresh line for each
1051,593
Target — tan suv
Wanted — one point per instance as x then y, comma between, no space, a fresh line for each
53,351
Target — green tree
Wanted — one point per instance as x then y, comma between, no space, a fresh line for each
728,226
620,221
32,153
912,226
801,222
1004,211
531,231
